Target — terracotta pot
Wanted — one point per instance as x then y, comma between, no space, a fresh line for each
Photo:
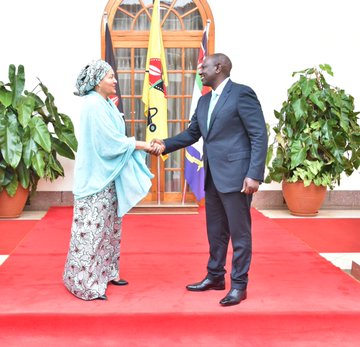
301,200
12,207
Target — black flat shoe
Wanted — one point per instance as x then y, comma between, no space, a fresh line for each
234,297
119,282
206,284
101,297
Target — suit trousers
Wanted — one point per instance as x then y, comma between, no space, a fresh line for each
228,218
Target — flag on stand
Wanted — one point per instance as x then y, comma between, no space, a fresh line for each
154,94
110,58
194,165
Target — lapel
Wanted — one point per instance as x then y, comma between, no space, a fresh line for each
222,99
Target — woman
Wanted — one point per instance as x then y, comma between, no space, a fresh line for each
110,178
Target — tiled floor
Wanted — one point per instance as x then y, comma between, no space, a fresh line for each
31,215
341,260
3,258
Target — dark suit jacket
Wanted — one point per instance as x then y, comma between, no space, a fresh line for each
235,145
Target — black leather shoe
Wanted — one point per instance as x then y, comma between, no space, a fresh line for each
234,297
101,297
119,282
206,284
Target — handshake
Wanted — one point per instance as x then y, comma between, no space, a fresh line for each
156,147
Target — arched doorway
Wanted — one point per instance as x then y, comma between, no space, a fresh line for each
182,25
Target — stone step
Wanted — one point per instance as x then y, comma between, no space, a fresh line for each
165,208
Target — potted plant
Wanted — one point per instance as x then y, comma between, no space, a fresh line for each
32,134
317,139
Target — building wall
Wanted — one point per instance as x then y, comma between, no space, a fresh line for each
266,40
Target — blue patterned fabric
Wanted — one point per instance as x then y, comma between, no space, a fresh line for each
90,76
105,154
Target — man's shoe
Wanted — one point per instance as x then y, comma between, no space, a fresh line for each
119,282
206,284
101,297
234,297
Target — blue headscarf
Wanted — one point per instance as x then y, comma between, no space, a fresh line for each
90,76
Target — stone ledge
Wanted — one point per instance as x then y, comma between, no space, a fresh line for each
341,199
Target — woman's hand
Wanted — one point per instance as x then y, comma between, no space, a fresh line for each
155,147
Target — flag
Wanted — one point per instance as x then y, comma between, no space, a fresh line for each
154,94
194,165
110,59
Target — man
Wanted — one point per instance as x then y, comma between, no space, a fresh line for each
232,125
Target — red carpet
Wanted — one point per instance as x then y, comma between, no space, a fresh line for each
295,297
12,232
326,235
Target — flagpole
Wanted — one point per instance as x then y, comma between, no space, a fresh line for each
184,193
158,181
155,85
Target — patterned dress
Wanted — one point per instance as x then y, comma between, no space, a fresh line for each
110,177
94,252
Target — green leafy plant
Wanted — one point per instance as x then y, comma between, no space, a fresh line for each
317,136
32,134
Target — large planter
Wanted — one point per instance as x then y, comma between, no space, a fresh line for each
12,207
301,200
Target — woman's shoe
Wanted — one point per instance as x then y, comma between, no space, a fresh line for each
101,297
119,282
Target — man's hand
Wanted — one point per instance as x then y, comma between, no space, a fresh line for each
250,186
157,147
